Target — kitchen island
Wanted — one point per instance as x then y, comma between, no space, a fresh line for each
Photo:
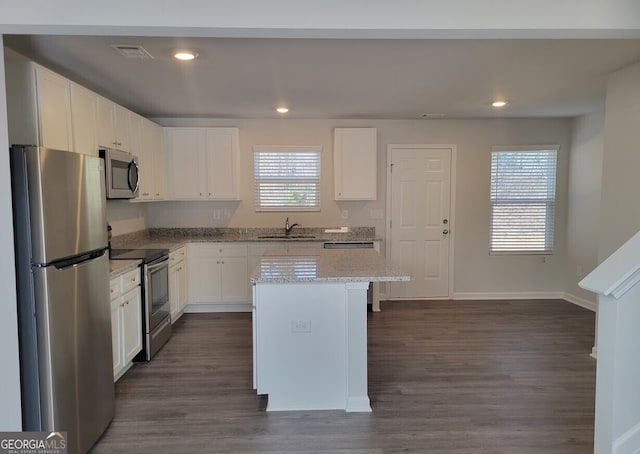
310,326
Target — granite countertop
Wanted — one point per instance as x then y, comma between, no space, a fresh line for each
279,266
118,267
174,238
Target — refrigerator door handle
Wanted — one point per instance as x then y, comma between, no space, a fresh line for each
78,259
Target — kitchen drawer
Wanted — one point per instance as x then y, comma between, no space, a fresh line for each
130,280
115,287
177,256
233,250
219,249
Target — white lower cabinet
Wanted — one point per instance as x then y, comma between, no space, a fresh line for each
217,278
177,282
126,320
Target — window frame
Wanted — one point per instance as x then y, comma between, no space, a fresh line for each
288,149
550,203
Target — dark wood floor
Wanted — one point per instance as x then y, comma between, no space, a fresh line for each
444,377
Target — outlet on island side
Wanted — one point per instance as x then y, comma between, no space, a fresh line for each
345,214
300,326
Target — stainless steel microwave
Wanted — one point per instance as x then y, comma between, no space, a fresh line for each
121,174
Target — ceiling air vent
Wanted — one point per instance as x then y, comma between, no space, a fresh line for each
132,50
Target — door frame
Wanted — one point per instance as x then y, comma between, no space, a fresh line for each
452,207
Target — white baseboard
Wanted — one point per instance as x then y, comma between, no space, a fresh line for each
508,296
582,302
358,404
216,307
628,442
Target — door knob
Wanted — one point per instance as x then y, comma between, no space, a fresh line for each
445,231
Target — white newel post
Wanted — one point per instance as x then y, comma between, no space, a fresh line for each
617,283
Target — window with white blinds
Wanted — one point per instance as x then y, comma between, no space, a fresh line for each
523,195
287,178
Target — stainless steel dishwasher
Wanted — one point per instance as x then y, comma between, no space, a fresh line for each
348,245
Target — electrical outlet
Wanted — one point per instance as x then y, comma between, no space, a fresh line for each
579,271
376,213
300,326
345,214
216,214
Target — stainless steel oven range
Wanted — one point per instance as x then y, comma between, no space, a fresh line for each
156,318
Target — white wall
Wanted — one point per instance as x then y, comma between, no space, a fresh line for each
10,416
476,273
620,205
126,217
583,215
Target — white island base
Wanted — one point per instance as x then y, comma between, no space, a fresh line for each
310,345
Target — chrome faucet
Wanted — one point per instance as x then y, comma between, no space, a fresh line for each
288,228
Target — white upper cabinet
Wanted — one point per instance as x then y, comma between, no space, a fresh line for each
355,163
54,109
113,125
84,116
222,163
159,159
186,149
48,110
38,104
203,163
151,158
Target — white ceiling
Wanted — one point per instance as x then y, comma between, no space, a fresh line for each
341,78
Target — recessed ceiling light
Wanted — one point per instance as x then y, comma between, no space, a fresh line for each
499,103
184,55
282,109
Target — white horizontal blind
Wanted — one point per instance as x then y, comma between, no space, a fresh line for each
523,193
287,178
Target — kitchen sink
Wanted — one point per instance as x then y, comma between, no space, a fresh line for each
285,237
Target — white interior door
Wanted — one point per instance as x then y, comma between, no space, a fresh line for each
420,220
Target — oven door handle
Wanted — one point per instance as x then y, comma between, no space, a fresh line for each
157,266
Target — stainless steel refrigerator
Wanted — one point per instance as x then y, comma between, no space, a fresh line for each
62,268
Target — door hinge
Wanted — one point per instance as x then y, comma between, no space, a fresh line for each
391,168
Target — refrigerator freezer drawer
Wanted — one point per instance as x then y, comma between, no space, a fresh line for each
73,331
